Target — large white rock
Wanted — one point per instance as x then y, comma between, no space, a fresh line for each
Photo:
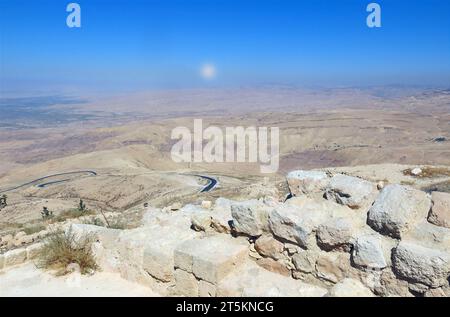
418,264
250,280
306,182
397,209
297,224
368,252
250,217
268,246
201,221
351,191
335,233
350,288
81,232
221,218
211,258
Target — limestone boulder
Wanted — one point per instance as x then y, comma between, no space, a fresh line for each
368,252
268,246
306,182
440,212
335,234
332,267
418,264
297,224
250,217
81,232
397,209
351,191
201,221
274,266
304,261
211,258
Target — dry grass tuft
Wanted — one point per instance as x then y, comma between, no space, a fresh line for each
61,249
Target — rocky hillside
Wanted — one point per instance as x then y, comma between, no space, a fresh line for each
335,235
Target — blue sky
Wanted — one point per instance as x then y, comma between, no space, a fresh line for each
164,43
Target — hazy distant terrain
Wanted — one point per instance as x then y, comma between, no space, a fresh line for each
126,140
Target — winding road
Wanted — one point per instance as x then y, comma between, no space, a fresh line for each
39,182
212,183
40,179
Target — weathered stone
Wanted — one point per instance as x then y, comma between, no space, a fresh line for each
306,182
332,267
206,289
274,266
397,209
81,232
350,288
368,252
419,264
221,218
185,283
335,234
201,221
159,253
267,246
15,257
296,224
250,217
253,281
2,261
351,191
440,212
212,258
304,261
389,285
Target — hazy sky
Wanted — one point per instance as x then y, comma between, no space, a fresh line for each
187,43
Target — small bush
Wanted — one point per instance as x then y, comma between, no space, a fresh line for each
61,249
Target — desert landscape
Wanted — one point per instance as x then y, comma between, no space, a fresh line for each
110,175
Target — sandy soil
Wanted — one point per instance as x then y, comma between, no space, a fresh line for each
28,281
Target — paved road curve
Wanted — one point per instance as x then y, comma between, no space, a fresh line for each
39,180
